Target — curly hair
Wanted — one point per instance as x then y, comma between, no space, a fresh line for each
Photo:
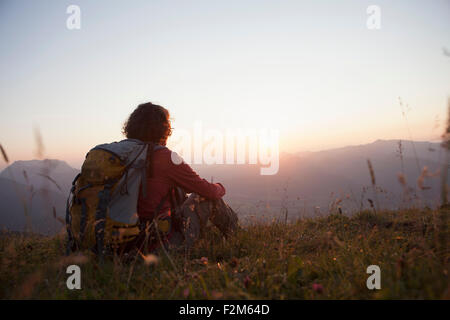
149,123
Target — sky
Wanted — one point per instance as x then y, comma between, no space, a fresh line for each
312,70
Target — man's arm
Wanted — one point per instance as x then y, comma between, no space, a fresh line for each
184,176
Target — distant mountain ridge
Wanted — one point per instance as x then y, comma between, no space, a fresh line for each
306,183
51,174
423,149
33,194
23,208
309,180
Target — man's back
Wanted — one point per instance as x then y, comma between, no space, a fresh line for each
164,176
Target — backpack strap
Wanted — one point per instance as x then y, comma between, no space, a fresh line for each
100,218
83,220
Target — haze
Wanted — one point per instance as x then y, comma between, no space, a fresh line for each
310,69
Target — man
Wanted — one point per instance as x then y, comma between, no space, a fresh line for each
165,214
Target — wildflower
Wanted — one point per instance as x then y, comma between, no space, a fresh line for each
216,295
401,179
150,259
317,287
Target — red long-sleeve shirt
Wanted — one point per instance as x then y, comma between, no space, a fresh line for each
165,175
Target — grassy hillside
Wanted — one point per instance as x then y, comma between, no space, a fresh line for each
319,258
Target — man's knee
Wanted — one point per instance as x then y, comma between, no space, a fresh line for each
196,211
224,217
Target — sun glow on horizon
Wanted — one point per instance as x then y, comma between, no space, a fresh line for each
319,77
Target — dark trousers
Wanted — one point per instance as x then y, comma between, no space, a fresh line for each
193,215
185,225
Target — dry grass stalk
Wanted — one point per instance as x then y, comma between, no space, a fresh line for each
445,207
405,109
5,156
39,143
25,290
400,154
444,171
50,179
374,184
421,180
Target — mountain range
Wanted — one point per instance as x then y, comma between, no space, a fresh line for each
33,193
313,182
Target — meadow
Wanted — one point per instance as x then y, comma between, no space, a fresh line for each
322,257
310,258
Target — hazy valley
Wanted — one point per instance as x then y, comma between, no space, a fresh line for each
307,184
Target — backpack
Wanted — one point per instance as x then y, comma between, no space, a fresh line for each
101,212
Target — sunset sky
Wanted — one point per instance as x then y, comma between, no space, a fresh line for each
310,69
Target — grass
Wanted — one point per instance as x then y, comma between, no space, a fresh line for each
311,258
316,258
